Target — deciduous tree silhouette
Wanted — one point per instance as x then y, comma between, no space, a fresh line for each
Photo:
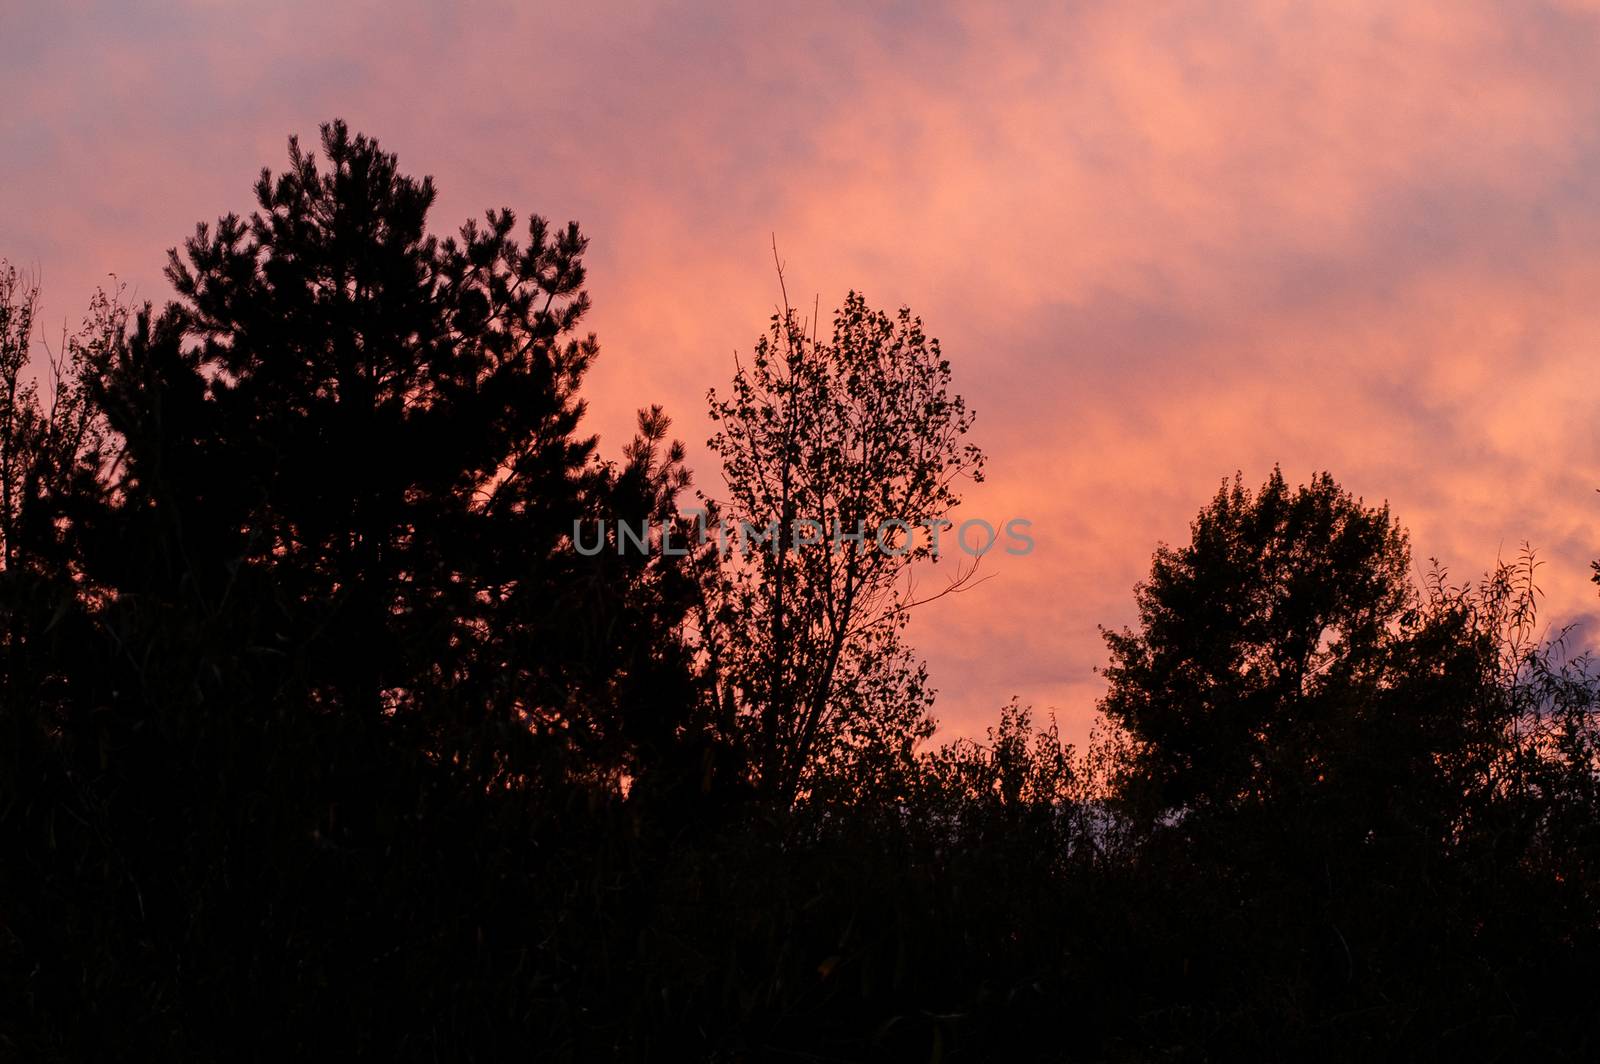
842,453
1255,639
52,442
53,450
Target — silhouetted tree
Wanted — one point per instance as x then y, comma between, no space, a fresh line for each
53,446
384,426
1256,641
840,455
1021,788
329,670
52,442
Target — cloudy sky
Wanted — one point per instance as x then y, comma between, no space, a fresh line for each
1160,242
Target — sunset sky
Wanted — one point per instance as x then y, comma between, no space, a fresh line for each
1159,242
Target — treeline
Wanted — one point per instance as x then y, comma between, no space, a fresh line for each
322,740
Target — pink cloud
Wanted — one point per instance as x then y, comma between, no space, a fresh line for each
1159,244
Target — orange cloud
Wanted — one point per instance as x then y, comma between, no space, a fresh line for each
1160,243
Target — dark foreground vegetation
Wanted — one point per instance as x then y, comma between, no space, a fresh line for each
321,741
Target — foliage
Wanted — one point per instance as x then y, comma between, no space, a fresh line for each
843,453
